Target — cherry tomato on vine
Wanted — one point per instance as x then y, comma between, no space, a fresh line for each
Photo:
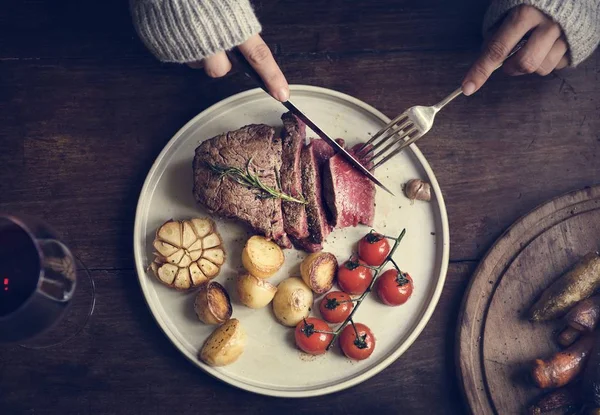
353,277
336,306
357,347
309,336
394,288
373,248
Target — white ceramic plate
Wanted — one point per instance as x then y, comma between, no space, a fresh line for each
271,365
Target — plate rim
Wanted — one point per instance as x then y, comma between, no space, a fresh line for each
419,327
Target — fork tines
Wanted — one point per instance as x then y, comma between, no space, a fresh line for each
398,134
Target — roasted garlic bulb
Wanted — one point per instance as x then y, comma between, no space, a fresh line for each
188,253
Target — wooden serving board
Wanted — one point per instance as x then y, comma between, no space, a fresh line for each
496,342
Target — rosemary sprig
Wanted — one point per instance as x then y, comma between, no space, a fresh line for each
251,180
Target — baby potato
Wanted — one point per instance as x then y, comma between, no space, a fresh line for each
292,302
225,345
255,292
212,303
318,270
262,257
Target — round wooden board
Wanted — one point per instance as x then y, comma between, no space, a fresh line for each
495,340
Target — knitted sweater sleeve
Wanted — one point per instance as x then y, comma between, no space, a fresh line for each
579,20
189,30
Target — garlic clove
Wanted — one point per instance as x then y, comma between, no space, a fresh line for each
170,232
167,273
195,246
185,261
196,255
189,236
182,280
214,255
211,241
202,226
208,268
417,189
176,257
197,275
164,248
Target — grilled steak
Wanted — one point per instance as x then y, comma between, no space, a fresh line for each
224,196
313,194
293,138
350,196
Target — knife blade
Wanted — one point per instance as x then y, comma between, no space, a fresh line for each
338,148
238,58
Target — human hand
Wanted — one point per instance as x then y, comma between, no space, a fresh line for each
545,50
259,55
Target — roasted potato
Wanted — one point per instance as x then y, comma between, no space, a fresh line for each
568,336
318,271
585,316
212,304
577,284
225,345
255,292
563,366
292,302
261,257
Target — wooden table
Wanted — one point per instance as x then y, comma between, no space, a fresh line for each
85,110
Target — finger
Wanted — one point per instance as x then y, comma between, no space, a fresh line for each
553,58
531,56
196,65
512,30
217,65
564,62
259,55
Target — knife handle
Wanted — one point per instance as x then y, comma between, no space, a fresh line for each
239,61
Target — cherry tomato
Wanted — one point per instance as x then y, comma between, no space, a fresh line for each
357,348
309,337
373,248
394,288
336,306
353,277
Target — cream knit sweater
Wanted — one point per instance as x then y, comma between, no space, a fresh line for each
189,30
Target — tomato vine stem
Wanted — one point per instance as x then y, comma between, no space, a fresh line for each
360,299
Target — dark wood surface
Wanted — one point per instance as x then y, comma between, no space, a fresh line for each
84,111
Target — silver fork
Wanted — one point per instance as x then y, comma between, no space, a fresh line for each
408,127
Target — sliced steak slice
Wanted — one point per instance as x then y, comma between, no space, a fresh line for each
313,194
350,196
324,151
225,197
306,245
293,139
284,242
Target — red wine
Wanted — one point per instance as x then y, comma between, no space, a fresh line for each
19,267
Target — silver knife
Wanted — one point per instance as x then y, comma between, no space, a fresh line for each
237,57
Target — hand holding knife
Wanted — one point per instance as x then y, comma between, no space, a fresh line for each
238,58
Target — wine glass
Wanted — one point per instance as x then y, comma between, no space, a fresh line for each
46,294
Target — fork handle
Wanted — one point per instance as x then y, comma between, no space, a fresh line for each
457,92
